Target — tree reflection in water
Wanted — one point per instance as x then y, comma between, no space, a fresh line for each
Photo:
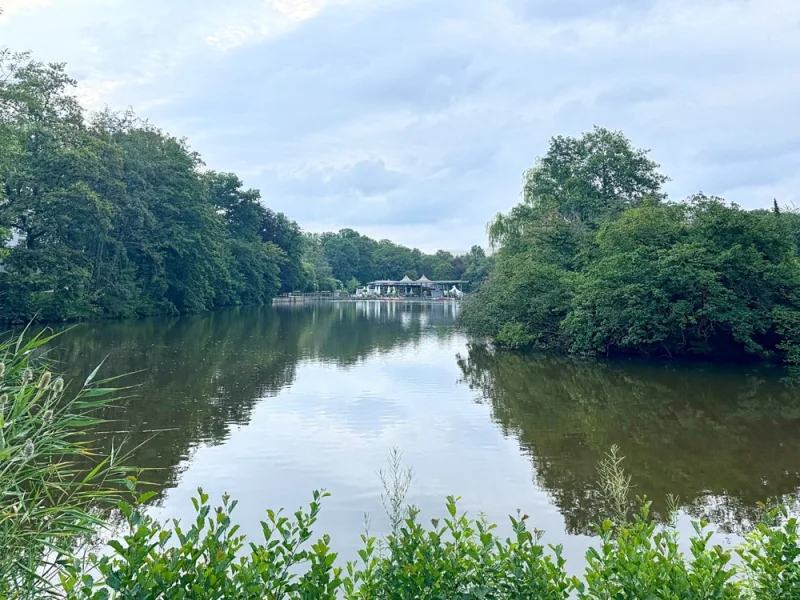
722,439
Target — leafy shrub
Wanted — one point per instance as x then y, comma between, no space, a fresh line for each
771,556
638,560
453,557
207,560
594,261
459,557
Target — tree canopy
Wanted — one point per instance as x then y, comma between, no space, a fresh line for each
595,260
110,216
348,256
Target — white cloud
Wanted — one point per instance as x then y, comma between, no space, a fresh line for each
298,10
96,94
254,22
11,7
442,104
231,37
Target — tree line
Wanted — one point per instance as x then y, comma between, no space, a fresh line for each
350,259
109,216
595,260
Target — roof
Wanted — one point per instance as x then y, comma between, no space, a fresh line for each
423,282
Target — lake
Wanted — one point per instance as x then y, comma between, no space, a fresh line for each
271,403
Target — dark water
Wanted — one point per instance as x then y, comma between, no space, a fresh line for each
269,404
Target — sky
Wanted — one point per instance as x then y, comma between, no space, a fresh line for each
414,120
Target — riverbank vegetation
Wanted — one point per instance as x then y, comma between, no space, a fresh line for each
594,260
54,486
48,514
108,216
450,557
348,259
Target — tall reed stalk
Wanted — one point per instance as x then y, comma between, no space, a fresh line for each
53,482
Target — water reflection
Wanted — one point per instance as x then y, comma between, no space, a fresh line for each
269,403
195,376
722,440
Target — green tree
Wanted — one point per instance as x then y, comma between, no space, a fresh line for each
55,193
392,261
588,178
256,265
594,261
573,188
342,253
477,266
319,272
114,217
696,278
352,285
286,234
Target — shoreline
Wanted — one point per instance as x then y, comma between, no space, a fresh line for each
313,299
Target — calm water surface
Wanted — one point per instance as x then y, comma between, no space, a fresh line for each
271,403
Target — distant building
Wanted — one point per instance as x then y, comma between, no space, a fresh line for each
421,288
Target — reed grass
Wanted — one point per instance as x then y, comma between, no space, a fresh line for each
53,483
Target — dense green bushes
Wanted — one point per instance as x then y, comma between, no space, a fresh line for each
452,557
594,261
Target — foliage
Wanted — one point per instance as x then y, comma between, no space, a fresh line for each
640,560
700,278
637,559
458,557
51,483
207,559
477,266
113,217
318,271
453,557
350,255
278,229
594,261
771,556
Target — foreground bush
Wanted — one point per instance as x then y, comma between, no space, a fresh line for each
452,557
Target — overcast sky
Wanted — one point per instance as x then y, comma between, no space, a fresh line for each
414,119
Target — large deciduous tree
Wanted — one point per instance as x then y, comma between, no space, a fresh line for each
593,260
